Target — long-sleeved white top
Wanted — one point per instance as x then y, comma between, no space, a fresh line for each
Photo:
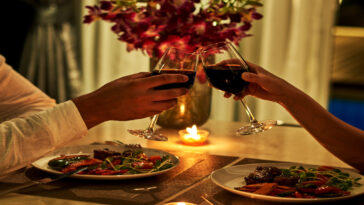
31,124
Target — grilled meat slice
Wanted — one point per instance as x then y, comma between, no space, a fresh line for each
103,154
262,174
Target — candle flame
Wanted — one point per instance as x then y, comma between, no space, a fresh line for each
193,136
193,133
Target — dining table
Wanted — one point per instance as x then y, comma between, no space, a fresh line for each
190,182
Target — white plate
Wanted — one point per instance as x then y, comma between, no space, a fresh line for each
231,177
43,162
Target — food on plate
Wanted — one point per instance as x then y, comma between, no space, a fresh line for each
299,182
108,162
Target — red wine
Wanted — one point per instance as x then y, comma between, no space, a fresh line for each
227,77
191,78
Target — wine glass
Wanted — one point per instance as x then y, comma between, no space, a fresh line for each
224,66
173,61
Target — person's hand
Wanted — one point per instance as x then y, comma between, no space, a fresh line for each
264,85
130,97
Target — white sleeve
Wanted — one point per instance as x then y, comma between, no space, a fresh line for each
18,96
25,139
31,124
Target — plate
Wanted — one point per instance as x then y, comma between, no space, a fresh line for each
42,163
230,177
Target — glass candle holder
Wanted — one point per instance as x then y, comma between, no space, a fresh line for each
193,136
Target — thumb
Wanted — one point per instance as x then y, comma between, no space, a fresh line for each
140,75
250,77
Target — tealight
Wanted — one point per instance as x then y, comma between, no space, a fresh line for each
193,136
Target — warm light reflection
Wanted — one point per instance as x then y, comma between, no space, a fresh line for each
182,109
179,203
193,136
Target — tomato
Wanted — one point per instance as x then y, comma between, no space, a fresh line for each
155,158
82,163
298,194
328,190
116,162
322,177
325,168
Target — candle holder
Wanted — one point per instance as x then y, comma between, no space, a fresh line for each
193,136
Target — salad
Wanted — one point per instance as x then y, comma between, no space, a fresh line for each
299,182
107,162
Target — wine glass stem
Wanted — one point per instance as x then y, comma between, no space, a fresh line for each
152,123
247,110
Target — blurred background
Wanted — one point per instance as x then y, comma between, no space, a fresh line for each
317,45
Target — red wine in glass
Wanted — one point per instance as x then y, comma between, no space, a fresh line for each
190,73
224,66
227,77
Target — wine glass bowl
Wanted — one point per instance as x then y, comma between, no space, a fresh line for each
224,67
173,61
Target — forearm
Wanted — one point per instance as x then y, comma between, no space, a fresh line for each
343,140
24,140
89,110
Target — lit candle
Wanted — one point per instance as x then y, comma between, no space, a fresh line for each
193,136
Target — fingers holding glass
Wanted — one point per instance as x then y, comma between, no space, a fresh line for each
174,62
224,68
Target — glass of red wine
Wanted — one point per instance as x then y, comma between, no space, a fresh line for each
224,66
173,61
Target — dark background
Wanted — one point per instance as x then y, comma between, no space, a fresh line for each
16,18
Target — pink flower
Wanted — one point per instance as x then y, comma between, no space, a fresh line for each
175,41
153,26
94,13
199,28
148,46
152,31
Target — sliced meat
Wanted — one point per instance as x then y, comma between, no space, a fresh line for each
103,154
262,174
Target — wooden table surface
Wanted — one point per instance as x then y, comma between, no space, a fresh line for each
290,144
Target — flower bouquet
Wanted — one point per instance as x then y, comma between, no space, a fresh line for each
153,26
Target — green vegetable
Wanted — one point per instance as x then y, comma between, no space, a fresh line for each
337,178
59,164
127,162
163,164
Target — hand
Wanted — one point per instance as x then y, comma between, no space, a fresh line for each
264,85
130,97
